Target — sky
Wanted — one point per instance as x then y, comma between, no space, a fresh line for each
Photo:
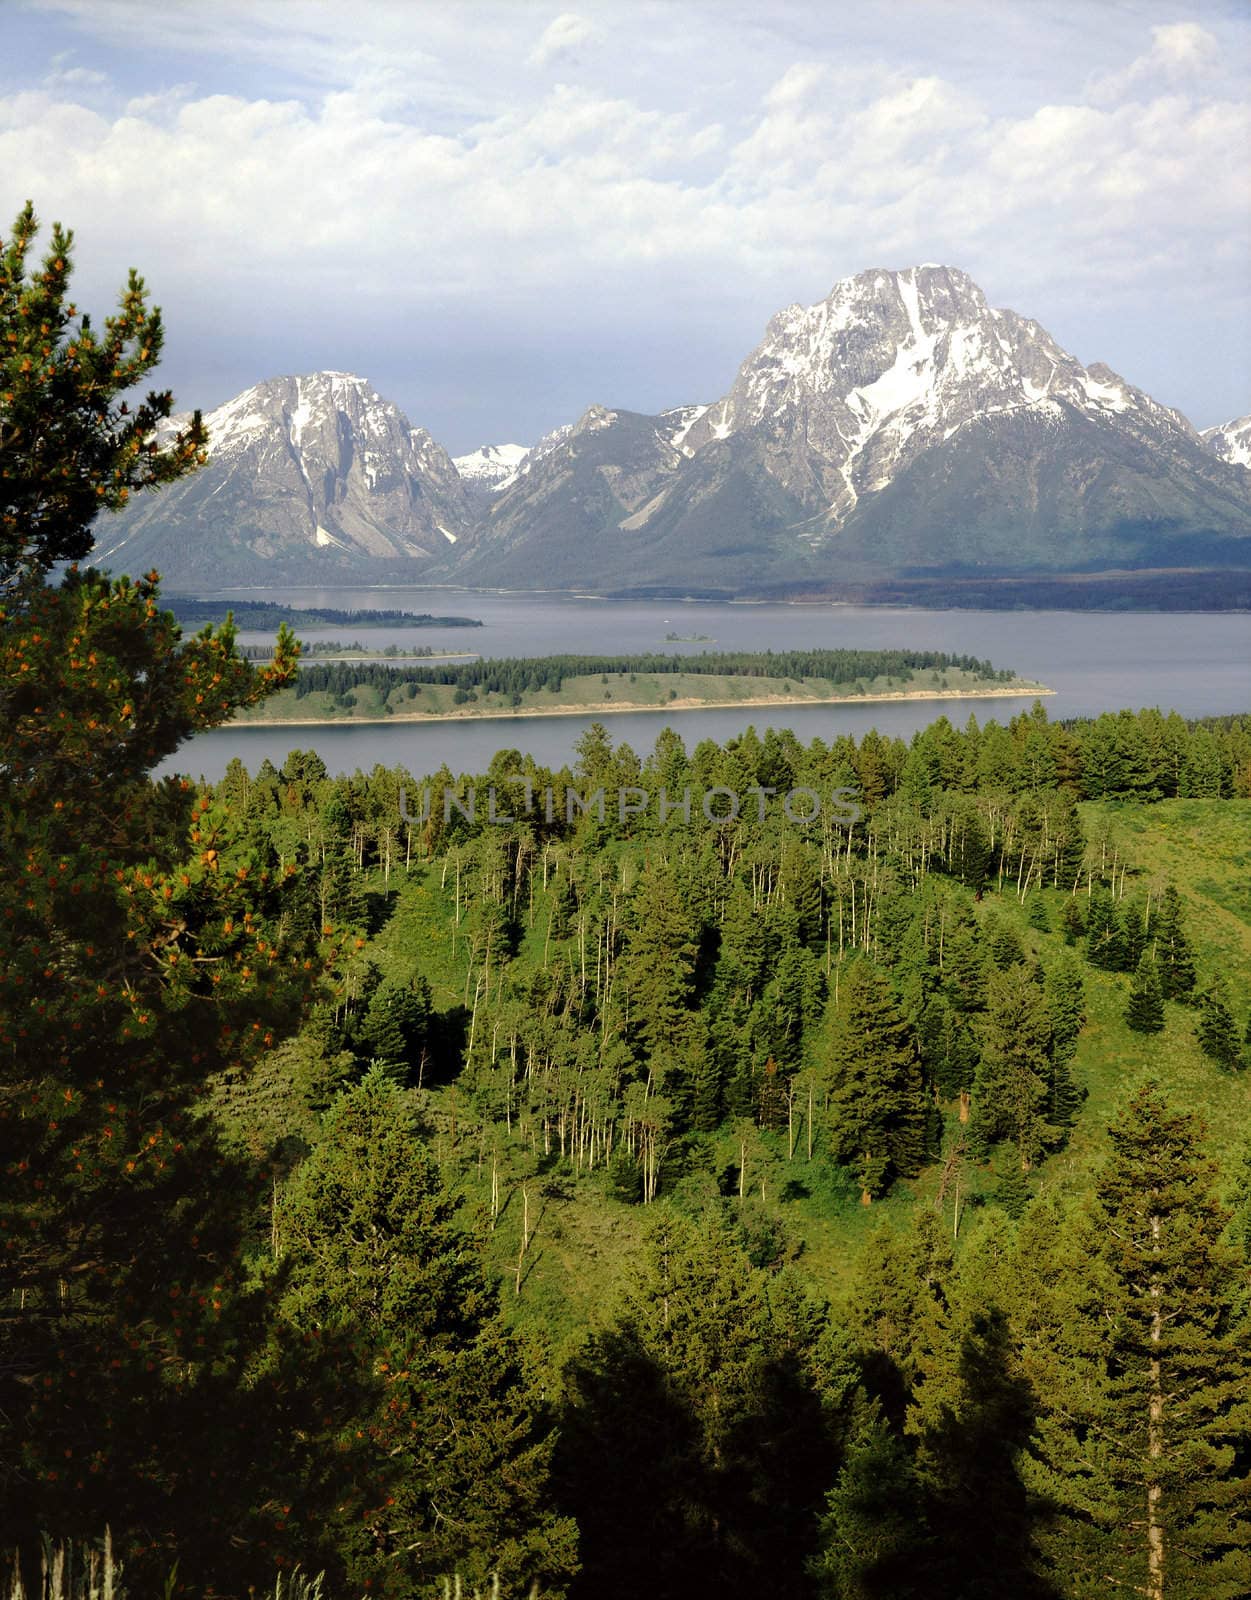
501,212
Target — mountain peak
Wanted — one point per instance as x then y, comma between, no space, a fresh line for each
490,465
1231,441
899,425
893,362
900,422
593,419
297,465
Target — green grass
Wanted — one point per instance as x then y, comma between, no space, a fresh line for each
584,1239
1201,846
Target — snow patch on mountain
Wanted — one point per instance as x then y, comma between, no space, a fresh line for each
892,364
490,464
678,422
313,462
1231,441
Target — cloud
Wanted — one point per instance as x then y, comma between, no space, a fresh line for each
408,201
70,79
561,36
831,168
1180,52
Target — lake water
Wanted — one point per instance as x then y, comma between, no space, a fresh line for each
1198,665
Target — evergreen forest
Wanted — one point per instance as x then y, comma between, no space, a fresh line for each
603,1203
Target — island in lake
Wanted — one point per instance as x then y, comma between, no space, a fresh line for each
373,691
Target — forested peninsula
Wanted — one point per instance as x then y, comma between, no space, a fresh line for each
354,691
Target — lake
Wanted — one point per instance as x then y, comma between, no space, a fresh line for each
1196,664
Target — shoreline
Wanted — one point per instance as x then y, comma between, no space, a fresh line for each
312,660
1003,692
797,600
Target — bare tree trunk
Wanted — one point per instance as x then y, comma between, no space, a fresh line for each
525,1235
473,1021
1155,1442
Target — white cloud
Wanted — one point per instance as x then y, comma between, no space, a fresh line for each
413,188
73,79
561,36
301,186
1180,52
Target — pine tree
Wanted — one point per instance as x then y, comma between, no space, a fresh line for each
660,959
1144,1011
964,964
70,449
1133,938
949,1410
1216,1029
147,949
972,1415
1010,1096
1072,920
969,855
897,1307
1066,1011
1066,830
1066,1005
877,1102
1005,948
1143,1378
742,1093
373,1246
949,1050
915,964
1173,955
1012,1191
875,1545
707,1413
1105,941
393,1029
707,1100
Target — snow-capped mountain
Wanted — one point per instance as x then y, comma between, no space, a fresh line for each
900,427
892,364
494,467
900,424
536,453
490,464
316,468
1231,441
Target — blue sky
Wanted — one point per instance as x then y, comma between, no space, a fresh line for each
501,213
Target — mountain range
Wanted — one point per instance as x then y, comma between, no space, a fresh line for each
900,429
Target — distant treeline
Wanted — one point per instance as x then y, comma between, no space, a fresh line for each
333,647
267,614
1175,590
530,674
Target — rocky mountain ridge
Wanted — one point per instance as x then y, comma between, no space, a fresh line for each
297,466
901,426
